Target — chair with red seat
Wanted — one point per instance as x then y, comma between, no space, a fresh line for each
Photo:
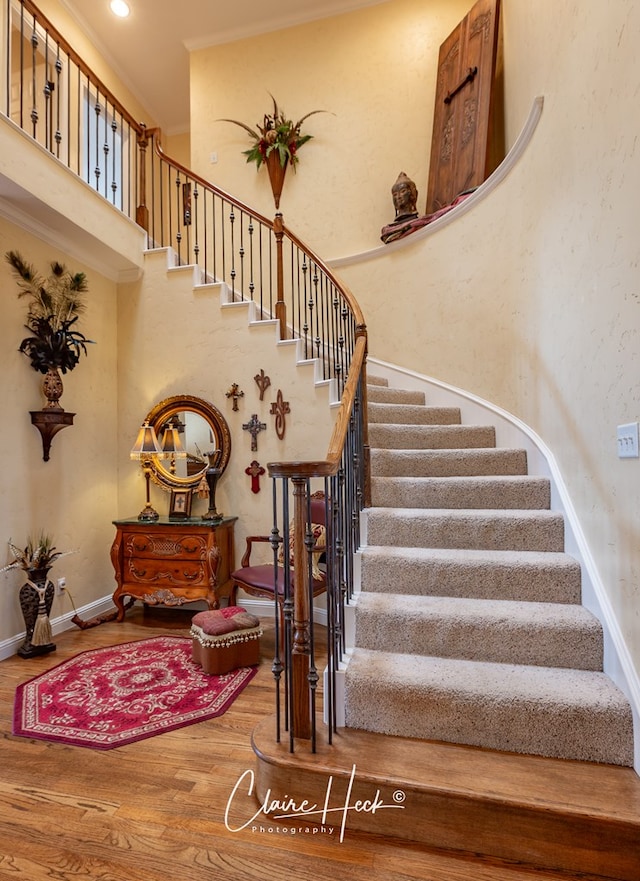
259,580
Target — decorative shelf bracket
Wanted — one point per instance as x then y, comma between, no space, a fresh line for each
49,423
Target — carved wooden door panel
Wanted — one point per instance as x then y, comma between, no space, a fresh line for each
464,103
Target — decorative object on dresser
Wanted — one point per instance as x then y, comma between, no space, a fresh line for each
36,595
55,304
145,449
170,563
211,477
279,409
180,505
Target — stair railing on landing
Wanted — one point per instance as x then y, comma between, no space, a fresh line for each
54,96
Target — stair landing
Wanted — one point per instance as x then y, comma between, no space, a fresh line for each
547,813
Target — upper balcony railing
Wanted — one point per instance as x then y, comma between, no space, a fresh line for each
53,96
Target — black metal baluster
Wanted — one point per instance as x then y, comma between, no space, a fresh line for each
195,213
34,90
97,111
58,134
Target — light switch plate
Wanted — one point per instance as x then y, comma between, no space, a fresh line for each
628,441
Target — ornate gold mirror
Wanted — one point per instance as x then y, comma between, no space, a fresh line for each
203,435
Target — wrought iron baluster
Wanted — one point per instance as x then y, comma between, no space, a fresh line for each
97,110
58,134
178,230
34,90
196,214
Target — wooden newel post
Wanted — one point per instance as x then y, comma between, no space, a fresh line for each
142,212
301,652
281,309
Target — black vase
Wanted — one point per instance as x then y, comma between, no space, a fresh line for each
36,599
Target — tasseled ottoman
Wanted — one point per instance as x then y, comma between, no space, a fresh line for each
225,639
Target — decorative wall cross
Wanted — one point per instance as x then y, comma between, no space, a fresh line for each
254,427
255,472
263,382
235,393
279,409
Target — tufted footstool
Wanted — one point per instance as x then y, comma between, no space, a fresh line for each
225,639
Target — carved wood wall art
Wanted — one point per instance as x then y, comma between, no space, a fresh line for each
465,117
279,409
235,393
263,382
254,427
255,472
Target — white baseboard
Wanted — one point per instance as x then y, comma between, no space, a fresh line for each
59,624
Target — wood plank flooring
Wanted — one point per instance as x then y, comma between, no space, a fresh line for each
155,810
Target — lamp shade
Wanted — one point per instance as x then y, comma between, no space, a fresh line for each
171,443
146,444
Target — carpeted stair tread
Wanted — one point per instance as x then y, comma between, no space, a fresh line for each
532,576
383,395
411,414
430,437
447,463
538,634
483,491
377,381
500,529
571,714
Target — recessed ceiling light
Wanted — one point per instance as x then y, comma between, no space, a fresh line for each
120,8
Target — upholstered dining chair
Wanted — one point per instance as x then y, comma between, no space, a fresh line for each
259,580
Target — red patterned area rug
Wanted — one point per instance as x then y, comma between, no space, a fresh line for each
112,696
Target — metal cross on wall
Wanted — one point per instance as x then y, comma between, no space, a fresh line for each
235,393
254,427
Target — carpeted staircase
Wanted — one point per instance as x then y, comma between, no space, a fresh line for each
469,627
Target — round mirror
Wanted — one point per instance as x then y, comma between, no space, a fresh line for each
194,434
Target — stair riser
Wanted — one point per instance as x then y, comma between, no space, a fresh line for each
430,437
466,531
405,414
580,649
380,395
447,463
523,494
434,578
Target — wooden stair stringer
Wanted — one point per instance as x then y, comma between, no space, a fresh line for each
258,322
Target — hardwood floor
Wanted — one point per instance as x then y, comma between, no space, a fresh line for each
155,810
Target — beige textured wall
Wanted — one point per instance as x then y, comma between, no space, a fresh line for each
374,69
532,299
73,496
